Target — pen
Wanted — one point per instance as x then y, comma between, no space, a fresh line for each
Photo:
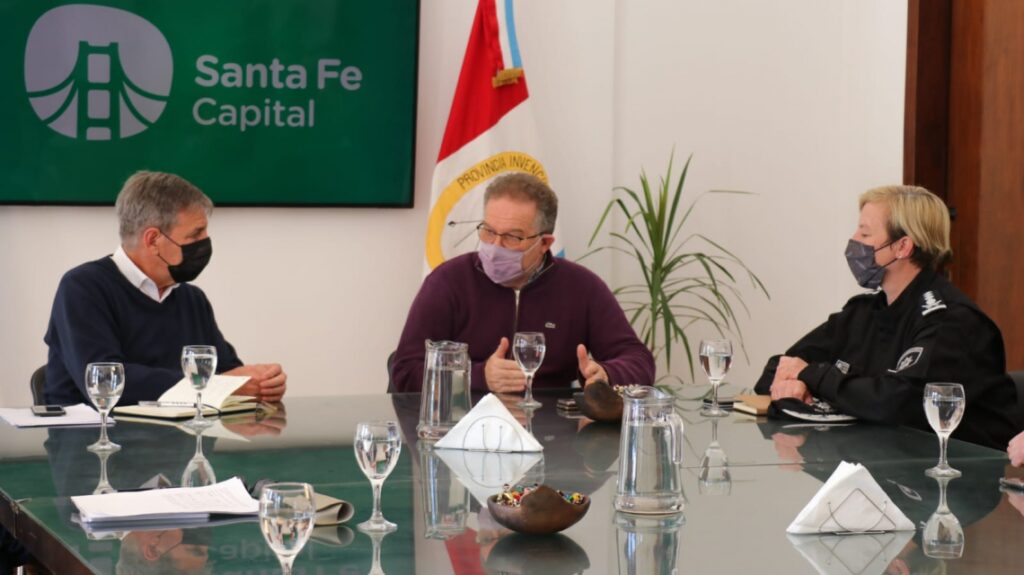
166,404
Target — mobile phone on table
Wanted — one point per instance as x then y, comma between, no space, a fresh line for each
723,402
47,410
1012,484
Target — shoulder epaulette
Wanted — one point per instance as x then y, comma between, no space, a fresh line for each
931,302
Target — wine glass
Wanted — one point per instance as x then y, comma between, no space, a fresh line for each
377,445
715,359
943,536
287,515
199,471
944,405
105,383
528,348
199,363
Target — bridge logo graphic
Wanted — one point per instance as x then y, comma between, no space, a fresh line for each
97,73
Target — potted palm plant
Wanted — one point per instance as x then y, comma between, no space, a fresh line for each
688,278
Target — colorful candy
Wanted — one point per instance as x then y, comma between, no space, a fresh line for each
513,496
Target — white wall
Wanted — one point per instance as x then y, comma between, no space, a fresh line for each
799,101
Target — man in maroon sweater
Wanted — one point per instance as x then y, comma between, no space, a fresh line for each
513,283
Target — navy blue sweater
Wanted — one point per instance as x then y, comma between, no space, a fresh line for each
98,315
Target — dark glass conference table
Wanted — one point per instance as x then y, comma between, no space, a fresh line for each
734,521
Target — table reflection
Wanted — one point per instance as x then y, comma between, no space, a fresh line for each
377,538
104,485
164,551
943,536
199,471
555,554
445,498
714,476
647,544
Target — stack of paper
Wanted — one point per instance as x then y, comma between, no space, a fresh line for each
80,414
179,505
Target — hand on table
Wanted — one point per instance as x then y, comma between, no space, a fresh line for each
589,369
503,375
267,381
1016,450
789,368
791,388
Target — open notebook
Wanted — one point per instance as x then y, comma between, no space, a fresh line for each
179,401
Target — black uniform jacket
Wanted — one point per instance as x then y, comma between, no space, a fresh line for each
872,360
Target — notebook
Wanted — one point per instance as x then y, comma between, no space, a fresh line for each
178,402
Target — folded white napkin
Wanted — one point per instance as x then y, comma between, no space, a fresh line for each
489,427
867,554
485,473
850,501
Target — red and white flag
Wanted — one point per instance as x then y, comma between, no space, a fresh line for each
490,132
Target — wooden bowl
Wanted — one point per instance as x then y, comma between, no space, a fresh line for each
540,512
600,402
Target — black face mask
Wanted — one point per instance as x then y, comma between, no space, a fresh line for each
861,259
194,257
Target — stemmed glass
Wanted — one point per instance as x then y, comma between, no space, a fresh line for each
944,406
943,536
199,471
199,363
377,445
105,383
715,359
528,348
287,515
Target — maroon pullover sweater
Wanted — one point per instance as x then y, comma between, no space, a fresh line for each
566,301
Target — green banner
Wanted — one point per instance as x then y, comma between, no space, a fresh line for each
257,102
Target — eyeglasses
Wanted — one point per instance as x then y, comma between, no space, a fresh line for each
508,240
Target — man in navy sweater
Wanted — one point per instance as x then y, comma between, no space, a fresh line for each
137,307
512,284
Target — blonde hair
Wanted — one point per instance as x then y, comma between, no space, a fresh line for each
919,214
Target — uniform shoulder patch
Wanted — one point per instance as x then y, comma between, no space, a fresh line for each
908,359
931,303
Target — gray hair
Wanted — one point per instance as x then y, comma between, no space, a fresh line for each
154,200
523,186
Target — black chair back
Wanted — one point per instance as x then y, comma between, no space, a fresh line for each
391,367
38,386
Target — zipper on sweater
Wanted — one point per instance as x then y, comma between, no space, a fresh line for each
515,319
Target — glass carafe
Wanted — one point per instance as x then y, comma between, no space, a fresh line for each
650,454
445,394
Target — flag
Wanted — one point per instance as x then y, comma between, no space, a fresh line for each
490,132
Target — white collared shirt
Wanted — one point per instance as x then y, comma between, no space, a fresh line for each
138,278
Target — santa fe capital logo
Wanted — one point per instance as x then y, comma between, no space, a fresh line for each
97,73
